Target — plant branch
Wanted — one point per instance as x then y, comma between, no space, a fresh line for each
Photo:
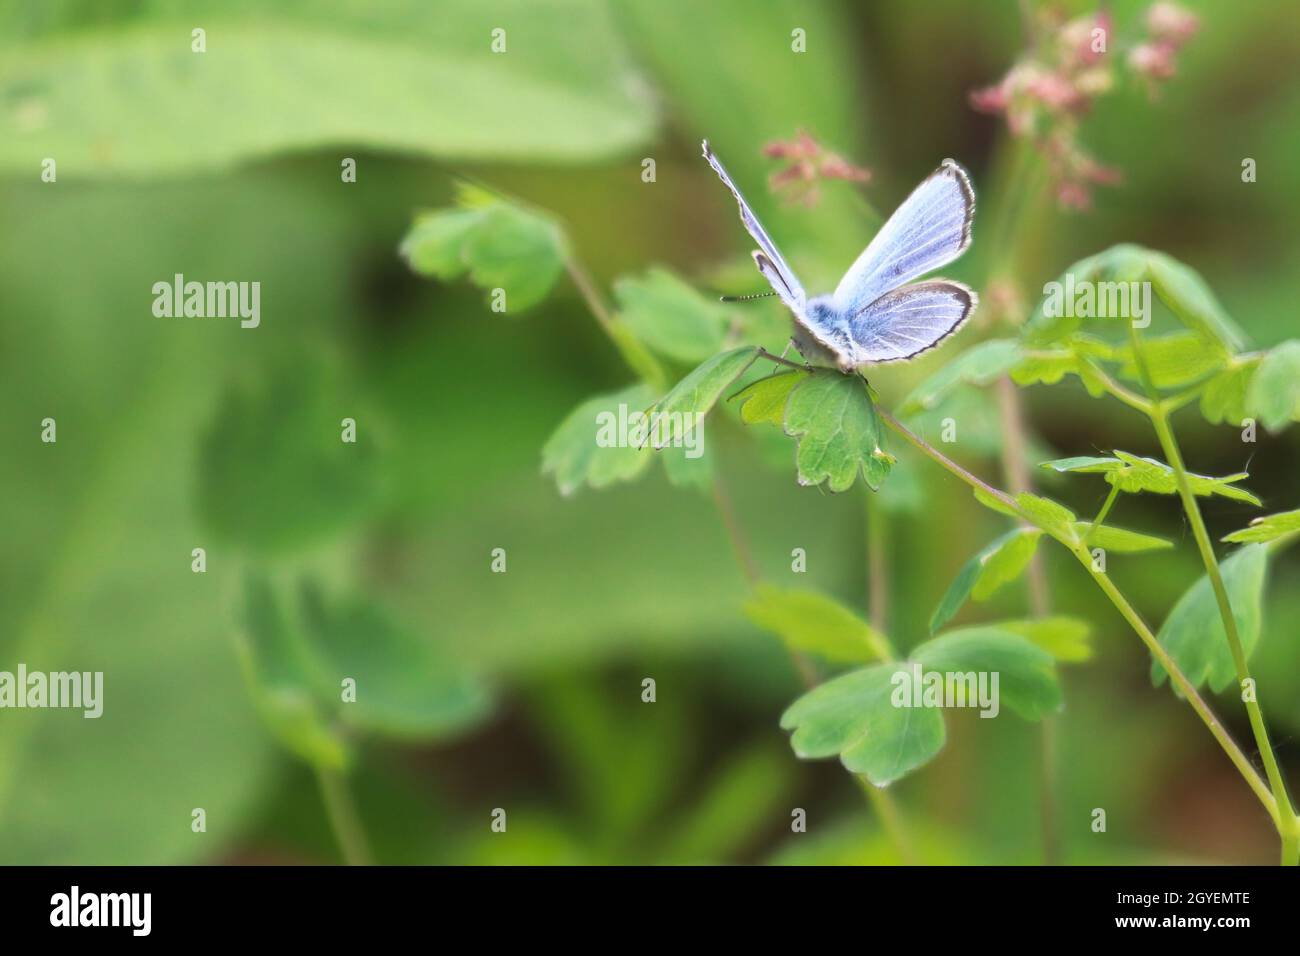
343,817
1288,825
1239,760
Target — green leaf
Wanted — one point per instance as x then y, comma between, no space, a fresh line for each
1267,528
981,365
583,450
1176,360
994,504
405,688
685,471
1045,368
274,473
1274,393
1182,289
1068,639
839,432
279,671
853,716
1121,540
810,621
671,317
122,93
1054,518
1027,680
502,245
682,410
1193,632
764,400
1133,474
1001,562
1224,397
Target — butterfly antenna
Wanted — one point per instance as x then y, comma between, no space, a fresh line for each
744,298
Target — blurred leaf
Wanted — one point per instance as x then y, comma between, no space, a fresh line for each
746,791
1267,528
129,96
281,679
573,454
1193,632
980,365
1027,680
1068,639
1177,359
405,688
682,410
840,434
1110,538
1224,396
274,472
811,621
1274,393
764,400
853,716
683,471
501,244
1133,474
670,316
1182,289
999,563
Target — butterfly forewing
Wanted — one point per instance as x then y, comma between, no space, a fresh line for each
930,229
776,271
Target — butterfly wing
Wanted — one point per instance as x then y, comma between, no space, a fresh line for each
930,229
907,321
770,261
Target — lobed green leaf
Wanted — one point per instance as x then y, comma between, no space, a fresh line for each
811,621
840,434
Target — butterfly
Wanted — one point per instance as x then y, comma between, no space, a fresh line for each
874,315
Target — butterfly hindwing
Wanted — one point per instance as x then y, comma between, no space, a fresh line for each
771,263
930,229
906,321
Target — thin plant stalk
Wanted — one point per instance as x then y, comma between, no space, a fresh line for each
344,819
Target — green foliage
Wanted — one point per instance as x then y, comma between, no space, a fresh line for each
405,688
764,400
1193,633
1120,540
670,316
681,411
840,435
1027,680
980,365
274,473
297,655
1224,396
1068,639
499,243
999,563
573,456
1132,474
810,621
1267,528
1274,393
280,673
1175,360
855,715
131,98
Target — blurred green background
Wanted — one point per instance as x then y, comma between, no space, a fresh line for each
182,433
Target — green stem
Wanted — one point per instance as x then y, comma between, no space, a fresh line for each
1180,680
1101,515
882,801
1288,825
343,817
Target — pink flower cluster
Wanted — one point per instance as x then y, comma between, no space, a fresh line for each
1047,92
807,163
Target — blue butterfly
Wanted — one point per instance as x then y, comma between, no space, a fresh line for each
873,315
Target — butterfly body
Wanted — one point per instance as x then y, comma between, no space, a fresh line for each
877,314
